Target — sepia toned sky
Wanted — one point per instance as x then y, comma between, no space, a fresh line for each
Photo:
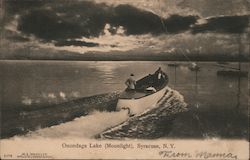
45,28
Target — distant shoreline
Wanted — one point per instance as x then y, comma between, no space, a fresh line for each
114,56
128,59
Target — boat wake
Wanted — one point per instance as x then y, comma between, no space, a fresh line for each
82,127
152,123
116,125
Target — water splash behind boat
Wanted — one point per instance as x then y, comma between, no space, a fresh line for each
82,127
150,124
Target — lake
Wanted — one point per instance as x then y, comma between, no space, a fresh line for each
218,105
38,83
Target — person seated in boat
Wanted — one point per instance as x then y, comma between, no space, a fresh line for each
161,76
130,83
159,73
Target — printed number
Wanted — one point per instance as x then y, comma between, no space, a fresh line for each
7,156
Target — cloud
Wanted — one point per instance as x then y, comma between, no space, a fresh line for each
26,100
224,24
177,23
108,42
207,8
65,20
137,21
162,8
62,95
15,6
48,26
76,43
17,38
87,19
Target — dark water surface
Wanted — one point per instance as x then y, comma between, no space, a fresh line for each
219,105
27,83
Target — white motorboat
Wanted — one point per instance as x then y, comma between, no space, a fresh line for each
149,90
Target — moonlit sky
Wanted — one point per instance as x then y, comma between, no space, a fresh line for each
45,28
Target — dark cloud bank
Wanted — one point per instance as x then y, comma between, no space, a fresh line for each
63,22
227,24
89,19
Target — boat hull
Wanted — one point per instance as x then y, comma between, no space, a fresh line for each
136,106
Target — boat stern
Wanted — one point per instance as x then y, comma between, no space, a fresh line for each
139,105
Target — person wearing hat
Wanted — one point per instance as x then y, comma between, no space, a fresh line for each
130,82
